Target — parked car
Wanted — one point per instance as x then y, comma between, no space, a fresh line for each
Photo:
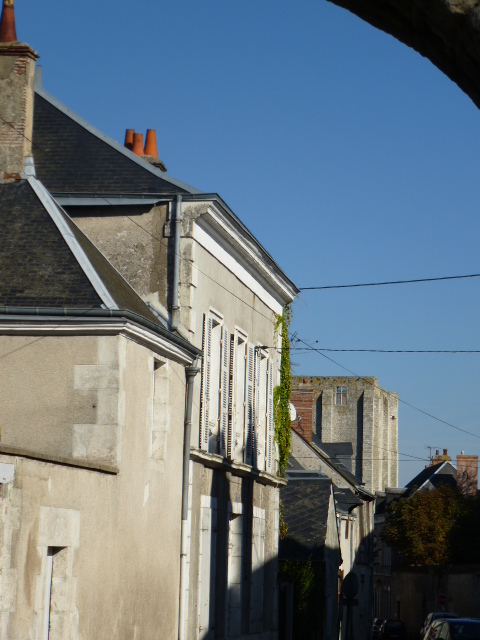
432,617
377,624
393,630
454,629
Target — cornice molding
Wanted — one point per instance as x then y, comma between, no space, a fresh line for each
71,327
251,252
215,461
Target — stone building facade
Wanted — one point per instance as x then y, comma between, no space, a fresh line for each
356,420
172,497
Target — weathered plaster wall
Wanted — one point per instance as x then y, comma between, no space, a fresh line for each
121,532
63,396
135,243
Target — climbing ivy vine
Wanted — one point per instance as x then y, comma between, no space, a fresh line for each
281,394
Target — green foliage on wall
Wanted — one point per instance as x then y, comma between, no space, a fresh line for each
282,393
282,525
307,597
303,578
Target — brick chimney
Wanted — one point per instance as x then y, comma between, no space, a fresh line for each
467,474
302,400
437,458
17,68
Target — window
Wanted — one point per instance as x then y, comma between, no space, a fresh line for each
215,385
238,355
341,396
160,410
236,412
53,614
261,395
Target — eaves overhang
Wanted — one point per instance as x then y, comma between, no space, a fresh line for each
43,322
226,229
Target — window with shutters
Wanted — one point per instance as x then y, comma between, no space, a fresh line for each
261,399
249,414
237,394
270,423
258,564
215,384
207,568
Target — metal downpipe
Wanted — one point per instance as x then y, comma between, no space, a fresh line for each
176,263
190,373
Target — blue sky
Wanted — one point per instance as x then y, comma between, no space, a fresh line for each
349,156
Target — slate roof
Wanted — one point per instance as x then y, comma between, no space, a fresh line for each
346,499
40,269
37,269
71,157
443,473
305,510
335,460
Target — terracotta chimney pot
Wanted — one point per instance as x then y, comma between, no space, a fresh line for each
151,144
8,32
138,144
129,138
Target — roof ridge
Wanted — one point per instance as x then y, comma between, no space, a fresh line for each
113,143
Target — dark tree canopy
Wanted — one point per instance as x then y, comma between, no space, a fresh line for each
447,32
435,527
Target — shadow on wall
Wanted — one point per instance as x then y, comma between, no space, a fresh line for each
312,606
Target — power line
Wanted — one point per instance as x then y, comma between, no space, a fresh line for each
451,351
383,284
449,424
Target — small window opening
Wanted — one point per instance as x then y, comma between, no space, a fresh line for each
341,396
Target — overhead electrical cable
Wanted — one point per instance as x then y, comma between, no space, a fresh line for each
430,415
389,282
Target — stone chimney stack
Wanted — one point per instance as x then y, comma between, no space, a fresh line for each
17,68
467,474
437,458
302,400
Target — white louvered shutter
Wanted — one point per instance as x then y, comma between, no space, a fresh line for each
256,389
270,424
232,399
249,409
224,391
206,384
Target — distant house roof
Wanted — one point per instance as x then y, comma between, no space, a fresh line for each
71,156
441,474
46,262
305,503
334,453
346,499
340,453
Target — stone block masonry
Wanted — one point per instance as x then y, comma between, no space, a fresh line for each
341,410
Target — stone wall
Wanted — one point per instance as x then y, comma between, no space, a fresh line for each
415,591
367,417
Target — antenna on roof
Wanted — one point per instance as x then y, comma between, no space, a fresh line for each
430,448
